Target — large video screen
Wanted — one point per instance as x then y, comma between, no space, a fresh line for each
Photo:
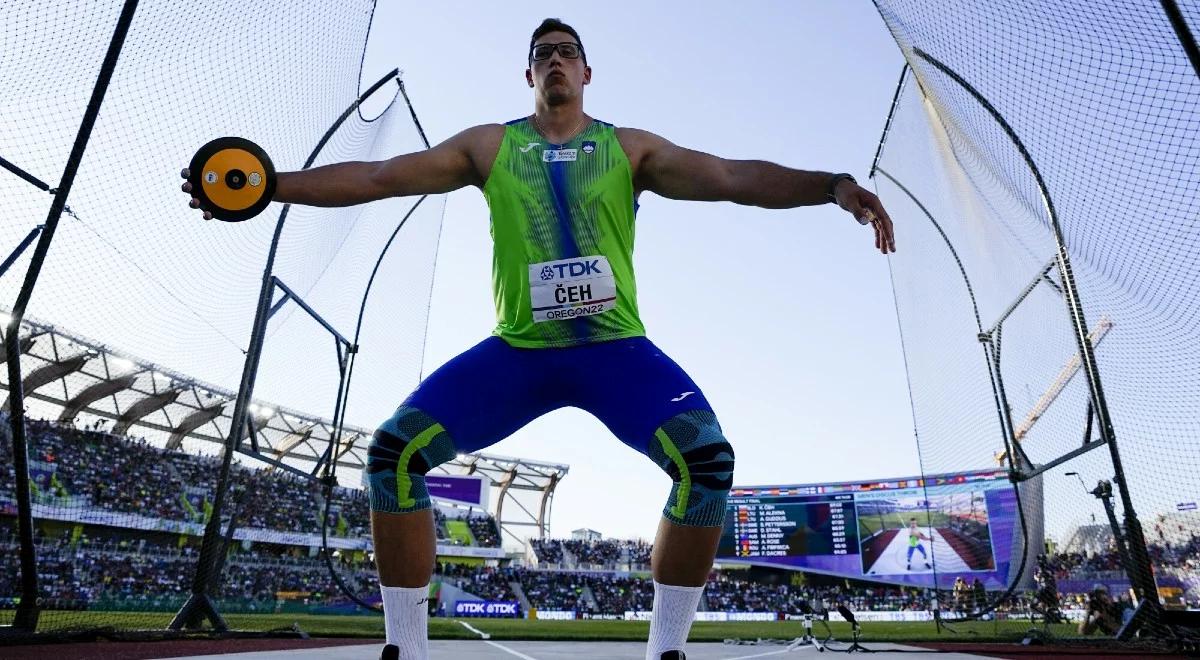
903,531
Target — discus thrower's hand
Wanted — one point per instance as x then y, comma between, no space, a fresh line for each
866,208
187,188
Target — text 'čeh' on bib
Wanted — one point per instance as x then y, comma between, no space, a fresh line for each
571,288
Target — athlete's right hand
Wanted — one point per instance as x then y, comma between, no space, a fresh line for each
187,188
867,209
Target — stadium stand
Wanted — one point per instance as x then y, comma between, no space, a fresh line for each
127,570
615,595
486,582
605,554
123,575
94,566
555,591
459,532
483,528
547,551
92,468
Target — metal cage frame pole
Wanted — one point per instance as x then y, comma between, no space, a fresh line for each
1141,575
199,605
990,352
991,360
26,616
1186,38
329,478
20,249
985,339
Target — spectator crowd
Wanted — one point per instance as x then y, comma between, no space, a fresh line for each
92,468
121,569
78,573
598,554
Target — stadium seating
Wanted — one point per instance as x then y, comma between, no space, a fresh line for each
606,554
91,468
459,532
123,568
483,528
488,583
114,569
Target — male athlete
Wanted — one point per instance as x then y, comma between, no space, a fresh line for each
563,191
915,536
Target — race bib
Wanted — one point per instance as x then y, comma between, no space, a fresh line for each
571,288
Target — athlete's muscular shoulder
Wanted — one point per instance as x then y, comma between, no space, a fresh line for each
464,159
662,167
636,144
482,144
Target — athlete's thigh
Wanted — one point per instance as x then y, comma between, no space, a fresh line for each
486,393
634,388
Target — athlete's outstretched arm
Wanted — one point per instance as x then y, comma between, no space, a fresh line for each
448,166
663,167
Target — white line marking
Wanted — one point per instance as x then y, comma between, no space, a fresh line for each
484,636
508,650
763,655
475,630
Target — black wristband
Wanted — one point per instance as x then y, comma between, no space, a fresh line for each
833,183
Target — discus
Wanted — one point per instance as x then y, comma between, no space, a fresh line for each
233,178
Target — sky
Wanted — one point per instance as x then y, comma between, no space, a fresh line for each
785,318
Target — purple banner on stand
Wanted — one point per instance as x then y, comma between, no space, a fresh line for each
468,490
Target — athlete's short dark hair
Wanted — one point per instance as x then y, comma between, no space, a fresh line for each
555,25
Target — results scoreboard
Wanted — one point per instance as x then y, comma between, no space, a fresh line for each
917,531
795,525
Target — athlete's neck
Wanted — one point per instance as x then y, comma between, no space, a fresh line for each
559,124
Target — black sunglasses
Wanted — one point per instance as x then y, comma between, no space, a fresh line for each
567,49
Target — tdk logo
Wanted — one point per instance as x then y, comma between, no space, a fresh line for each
485,608
571,269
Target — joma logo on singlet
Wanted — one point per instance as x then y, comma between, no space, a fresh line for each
571,269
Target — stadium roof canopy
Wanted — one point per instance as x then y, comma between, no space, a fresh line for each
83,382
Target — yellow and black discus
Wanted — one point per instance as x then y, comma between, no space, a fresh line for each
233,178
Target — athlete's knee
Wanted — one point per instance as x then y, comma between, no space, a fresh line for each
402,451
691,448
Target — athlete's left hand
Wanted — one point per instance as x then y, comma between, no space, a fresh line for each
866,208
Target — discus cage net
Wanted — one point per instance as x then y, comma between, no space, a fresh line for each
1041,158
1042,163
147,321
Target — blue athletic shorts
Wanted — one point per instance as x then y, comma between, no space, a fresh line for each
485,394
